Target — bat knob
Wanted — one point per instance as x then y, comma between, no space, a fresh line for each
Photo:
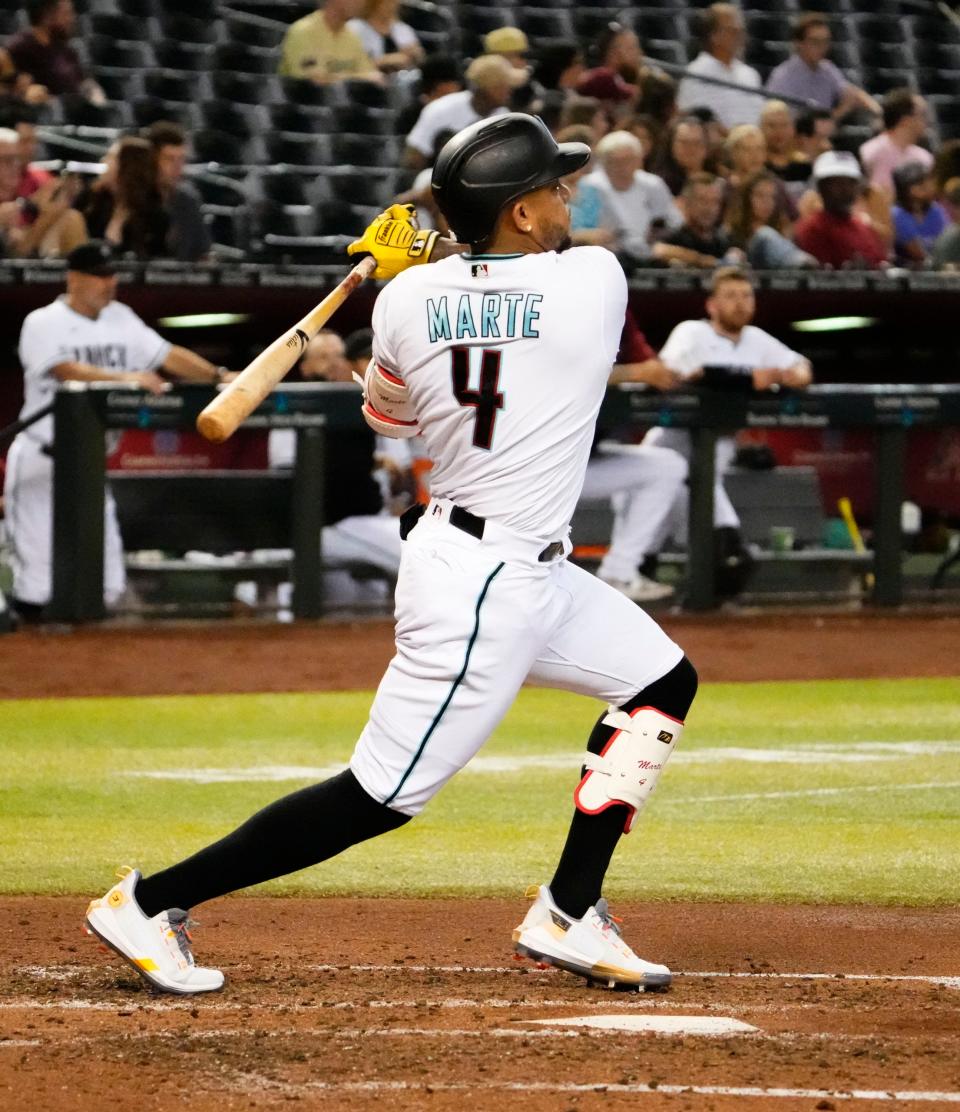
212,428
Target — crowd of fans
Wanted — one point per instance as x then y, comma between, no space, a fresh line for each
714,168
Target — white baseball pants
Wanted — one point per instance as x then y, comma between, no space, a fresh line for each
474,620
28,501
679,441
643,483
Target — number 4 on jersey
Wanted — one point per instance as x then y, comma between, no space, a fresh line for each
487,400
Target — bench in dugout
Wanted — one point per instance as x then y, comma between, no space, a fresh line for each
782,496
190,537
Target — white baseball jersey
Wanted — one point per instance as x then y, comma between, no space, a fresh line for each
117,340
696,343
506,359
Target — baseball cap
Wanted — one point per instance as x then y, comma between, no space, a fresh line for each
93,257
492,69
506,40
836,164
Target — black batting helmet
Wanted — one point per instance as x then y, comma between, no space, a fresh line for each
493,162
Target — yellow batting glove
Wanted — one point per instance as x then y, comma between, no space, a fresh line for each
395,241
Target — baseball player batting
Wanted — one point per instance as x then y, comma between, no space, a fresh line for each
499,357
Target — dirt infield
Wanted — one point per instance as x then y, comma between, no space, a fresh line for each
224,657
389,1004
360,1004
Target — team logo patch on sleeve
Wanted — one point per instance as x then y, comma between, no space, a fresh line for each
479,270
665,737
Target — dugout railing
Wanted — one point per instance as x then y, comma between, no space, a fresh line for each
84,413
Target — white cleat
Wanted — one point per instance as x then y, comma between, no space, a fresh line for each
591,947
641,589
158,948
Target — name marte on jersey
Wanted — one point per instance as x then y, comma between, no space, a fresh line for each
487,316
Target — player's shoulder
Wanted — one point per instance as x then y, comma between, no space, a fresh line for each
116,313
754,335
692,329
46,316
602,262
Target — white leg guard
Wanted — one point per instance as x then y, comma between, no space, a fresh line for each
629,767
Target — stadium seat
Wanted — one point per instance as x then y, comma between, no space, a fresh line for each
115,25
140,8
199,9
357,150
218,190
883,55
228,226
540,24
363,121
300,91
188,29
879,28
176,55
365,93
434,26
342,218
665,50
105,51
118,84
947,109
657,25
80,112
370,189
239,58
242,120
10,21
254,30
771,28
218,146
245,88
280,186
301,118
291,149
176,85
880,80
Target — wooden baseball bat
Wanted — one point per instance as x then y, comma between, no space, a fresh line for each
221,418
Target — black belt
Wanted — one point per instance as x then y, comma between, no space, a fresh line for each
468,523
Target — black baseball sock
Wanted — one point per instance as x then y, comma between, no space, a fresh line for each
296,831
592,839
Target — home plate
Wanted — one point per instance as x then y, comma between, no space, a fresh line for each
657,1024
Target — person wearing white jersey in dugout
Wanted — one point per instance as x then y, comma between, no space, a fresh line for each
83,336
735,354
500,358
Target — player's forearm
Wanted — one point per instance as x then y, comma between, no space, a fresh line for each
87,372
444,247
187,366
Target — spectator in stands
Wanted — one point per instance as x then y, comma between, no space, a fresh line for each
836,236
756,223
84,336
636,206
511,44
21,118
420,192
699,242
44,52
615,78
647,130
17,87
358,350
440,75
685,153
783,158
188,238
585,202
559,68
321,47
810,76
918,218
490,80
124,206
905,120
946,251
587,111
35,221
391,44
724,37
946,165
658,98
815,128
745,154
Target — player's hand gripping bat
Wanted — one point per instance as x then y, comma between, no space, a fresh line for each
221,418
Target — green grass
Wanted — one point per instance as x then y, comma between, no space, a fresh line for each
70,812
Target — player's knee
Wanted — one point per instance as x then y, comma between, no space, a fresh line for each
672,694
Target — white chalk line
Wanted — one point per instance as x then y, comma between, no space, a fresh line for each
68,972
808,792
747,1091
814,752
